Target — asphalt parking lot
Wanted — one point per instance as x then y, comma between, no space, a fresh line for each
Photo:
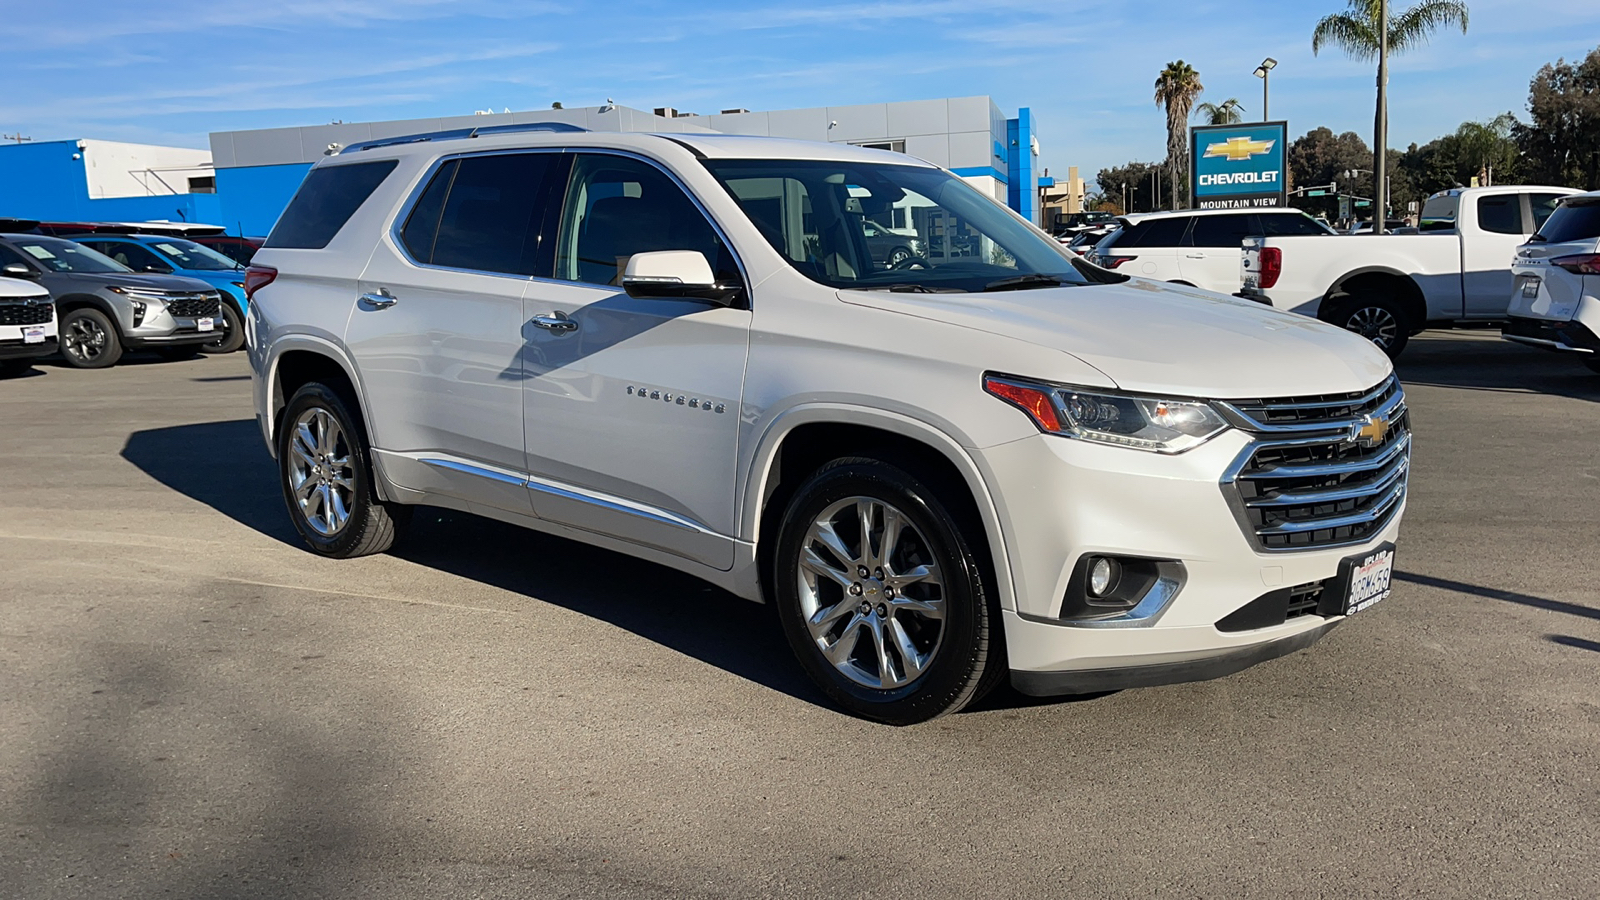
192,706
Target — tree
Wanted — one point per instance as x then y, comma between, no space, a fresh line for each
1487,151
1226,114
1561,145
1138,181
1357,32
1176,88
1321,157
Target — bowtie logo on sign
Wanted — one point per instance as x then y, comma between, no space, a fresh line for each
1238,148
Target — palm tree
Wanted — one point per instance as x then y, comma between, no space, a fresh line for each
1226,114
1176,89
1356,30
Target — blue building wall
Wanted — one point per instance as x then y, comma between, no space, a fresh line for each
254,196
42,181
1022,188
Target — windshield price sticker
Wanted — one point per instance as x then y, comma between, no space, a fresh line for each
1368,578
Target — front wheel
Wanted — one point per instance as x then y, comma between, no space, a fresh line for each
325,469
1376,317
89,340
230,334
881,597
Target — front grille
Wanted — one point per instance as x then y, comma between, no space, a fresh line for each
1325,471
1304,600
194,305
19,314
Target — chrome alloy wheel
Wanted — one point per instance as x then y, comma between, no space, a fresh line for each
321,475
1374,323
85,340
872,595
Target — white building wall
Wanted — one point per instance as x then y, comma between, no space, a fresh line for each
116,169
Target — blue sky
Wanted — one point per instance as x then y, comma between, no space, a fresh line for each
172,72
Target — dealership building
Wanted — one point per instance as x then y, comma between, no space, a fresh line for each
248,177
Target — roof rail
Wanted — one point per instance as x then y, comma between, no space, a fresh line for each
459,133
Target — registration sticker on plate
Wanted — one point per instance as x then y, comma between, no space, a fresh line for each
206,324
1366,578
34,335
1530,285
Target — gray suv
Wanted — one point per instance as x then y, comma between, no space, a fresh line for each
104,308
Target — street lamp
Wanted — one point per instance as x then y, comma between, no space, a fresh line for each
1267,65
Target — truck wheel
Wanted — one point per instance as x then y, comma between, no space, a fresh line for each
89,340
230,336
1376,317
325,469
880,595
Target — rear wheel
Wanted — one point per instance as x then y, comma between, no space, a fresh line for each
1377,317
89,340
230,333
881,597
325,469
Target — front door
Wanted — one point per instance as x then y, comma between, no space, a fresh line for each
632,406
438,330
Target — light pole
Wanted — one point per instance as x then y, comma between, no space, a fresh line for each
1262,71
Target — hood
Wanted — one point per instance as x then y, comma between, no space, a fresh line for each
129,279
1160,338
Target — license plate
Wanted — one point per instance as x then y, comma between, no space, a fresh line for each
1530,286
33,335
206,324
1366,578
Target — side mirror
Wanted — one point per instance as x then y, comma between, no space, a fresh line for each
677,274
18,270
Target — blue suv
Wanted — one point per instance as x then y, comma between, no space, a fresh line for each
163,255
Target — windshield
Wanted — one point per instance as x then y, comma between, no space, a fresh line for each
189,255
65,256
865,226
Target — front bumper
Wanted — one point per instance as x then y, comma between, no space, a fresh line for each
1062,499
19,350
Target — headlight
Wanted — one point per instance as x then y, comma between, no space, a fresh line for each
144,294
1160,424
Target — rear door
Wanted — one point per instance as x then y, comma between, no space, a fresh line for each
1488,249
1210,256
438,331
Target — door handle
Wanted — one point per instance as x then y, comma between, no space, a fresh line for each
382,299
555,321
1195,255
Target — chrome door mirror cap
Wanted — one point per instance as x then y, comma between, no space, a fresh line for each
677,274
18,270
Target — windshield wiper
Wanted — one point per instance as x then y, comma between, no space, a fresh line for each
905,287
1023,282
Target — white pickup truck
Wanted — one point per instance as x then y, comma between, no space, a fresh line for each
1389,287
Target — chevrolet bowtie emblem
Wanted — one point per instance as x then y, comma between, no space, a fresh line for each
1372,431
1238,148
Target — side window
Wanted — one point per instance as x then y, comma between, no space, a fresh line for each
326,200
491,218
1290,224
617,206
1223,231
1501,214
134,256
422,225
1542,206
1164,232
9,257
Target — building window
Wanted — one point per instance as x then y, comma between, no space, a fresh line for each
896,146
203,184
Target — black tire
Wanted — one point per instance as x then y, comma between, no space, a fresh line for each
11,368
371,526
89,340
231,335
180,352
1379,318
965,655
897,256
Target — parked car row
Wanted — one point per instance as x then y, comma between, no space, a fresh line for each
1454,270
113,289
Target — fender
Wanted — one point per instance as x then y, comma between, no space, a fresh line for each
761,468
73,301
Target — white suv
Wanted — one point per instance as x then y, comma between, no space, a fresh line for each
1555,296
980,460
1198,247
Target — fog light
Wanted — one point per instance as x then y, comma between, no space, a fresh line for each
1103,573
138,313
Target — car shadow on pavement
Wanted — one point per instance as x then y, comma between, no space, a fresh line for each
1461,587
1475,361
1567,640
225,466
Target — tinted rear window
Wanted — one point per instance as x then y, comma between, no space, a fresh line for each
1291,224
1572,222
1223,231
1501,214
326,200
1163,232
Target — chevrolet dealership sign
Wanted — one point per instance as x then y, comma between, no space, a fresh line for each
1239,166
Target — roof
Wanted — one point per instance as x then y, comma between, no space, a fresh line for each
1136,218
